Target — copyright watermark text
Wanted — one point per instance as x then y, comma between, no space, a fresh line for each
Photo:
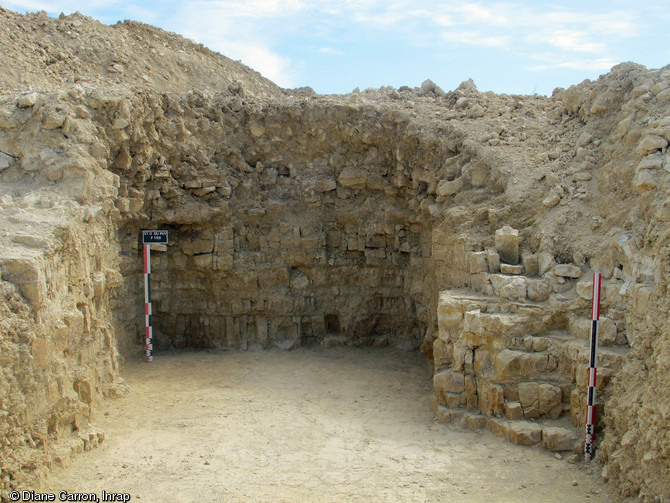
67,496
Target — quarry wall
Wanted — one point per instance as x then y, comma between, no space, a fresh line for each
376,218
277,237
59,354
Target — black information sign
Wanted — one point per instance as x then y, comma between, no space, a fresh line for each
154,237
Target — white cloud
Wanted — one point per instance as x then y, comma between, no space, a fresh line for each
252,8
554,35
475,38
616,24
570,40
388,18
384,14
27,5
596,64
492,15
259,57
251,30
574,40
57,7
444,20
235,35
137,12
512,26
331,50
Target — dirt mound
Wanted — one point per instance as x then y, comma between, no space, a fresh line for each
41,52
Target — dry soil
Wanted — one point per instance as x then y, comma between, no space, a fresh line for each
329,425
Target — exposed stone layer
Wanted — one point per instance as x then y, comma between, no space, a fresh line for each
298,219
59,356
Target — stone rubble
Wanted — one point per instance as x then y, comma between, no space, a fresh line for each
463,223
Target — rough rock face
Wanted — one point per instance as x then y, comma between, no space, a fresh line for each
465,223
59,356
277,238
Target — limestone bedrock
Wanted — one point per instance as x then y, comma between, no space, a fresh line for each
463,223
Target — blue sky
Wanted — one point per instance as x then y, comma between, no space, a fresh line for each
335,46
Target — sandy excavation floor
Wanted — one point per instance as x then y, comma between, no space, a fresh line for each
335,425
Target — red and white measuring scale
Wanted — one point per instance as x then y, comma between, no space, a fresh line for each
591,394
148,336
149,237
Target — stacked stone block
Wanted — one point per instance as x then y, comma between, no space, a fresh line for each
512,353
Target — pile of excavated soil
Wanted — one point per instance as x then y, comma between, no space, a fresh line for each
40,52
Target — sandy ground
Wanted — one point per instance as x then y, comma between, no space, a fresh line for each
335,425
